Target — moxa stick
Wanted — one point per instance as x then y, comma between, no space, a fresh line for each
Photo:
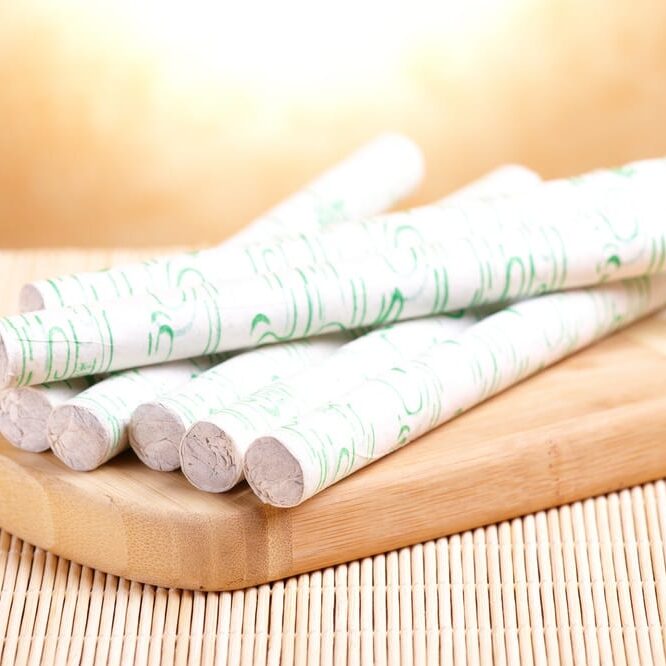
24,411
91,428
440,222
394,156
297,460
611,232
246,258
437,222
372,179
157,426
213,449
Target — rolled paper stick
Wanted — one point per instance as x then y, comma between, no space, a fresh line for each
613,232
157,426
344,240
91,428
372,179
437,222
297,460
25,411
213,449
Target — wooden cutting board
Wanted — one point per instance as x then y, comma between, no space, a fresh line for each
594,423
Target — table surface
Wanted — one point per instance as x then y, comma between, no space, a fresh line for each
575,585
582,583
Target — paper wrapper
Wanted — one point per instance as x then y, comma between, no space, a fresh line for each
351,240
299,459
371,180
610,226
455,217
91,428
158,426
268,254
213,449
25,411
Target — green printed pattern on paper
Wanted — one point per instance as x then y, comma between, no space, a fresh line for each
229,381
246,256
281,401
372,180
611,233
415,396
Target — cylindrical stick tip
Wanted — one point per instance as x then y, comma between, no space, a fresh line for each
273,473
78,437
23,416
209,459
155,432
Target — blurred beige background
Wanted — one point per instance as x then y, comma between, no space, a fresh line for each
133,123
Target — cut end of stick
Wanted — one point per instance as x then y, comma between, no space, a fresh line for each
155,433
210,459
23,416
273,473
30,298
78,437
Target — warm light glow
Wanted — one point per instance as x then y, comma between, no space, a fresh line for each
299,45
142,114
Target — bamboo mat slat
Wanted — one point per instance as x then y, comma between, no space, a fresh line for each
581,584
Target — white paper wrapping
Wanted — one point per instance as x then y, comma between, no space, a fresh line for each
158,426
248,257
346,241
371,180
608,226
24,411
213,449
91,427
297,460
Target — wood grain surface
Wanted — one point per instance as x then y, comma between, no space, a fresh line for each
592,424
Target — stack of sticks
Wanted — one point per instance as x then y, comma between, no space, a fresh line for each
327,333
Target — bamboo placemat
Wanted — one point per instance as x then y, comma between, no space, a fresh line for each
582,584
